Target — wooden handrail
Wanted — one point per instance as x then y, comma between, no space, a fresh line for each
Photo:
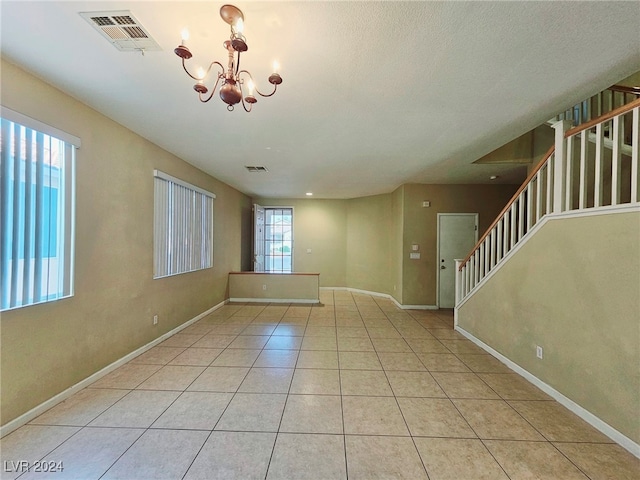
513,199
625,89
585,126
603,118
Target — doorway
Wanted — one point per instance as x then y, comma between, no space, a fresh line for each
457,235
273,239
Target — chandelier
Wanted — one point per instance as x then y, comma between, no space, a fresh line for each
233,79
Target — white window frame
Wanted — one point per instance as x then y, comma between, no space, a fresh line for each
183,227
30,278
266,240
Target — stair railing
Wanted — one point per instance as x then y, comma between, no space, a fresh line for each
575,174
599,104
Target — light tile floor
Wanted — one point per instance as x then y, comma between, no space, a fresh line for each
354,388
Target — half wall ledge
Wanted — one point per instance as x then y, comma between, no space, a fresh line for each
274,287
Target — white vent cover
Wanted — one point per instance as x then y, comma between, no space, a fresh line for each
122,30
256,168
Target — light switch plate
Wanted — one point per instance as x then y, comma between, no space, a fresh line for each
414,256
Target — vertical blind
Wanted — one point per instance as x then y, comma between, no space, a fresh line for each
183,226
36,212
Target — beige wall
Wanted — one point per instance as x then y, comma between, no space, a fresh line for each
50,347
543,140
370,223
303,287
572,289
320,225
420,226
365,242
397,208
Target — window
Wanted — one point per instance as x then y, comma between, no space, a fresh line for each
278,238
183,227
37,211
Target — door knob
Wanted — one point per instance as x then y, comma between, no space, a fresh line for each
442,267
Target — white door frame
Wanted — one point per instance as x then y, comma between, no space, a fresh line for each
293,216
476,215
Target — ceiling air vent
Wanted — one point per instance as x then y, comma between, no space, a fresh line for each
256,169
122,30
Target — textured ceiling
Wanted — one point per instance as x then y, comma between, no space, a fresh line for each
375,94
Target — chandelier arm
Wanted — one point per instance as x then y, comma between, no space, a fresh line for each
206,73
275,87
213,90
244,105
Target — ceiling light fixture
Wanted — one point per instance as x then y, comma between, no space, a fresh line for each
232,77
309,194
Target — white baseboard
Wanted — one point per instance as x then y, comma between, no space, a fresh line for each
384,295
587,416
53,401
275,300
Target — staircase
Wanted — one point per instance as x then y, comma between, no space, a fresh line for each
594,164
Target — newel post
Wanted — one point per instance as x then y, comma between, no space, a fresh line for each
560,165
459,279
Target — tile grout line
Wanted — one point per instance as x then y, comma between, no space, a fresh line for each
424,467
284,407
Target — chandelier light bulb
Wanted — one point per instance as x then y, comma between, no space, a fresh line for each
251,86
200,74
184,35
239,25
276,66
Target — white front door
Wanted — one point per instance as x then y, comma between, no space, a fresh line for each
258,238
457,235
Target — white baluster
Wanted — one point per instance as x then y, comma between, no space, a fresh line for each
499,254
568,200
492,259
549,173
559,173
459,295
505,235
584,151
487,255
598,180
616,164
481,262
513,225
635,155
538,195
529,191
521,219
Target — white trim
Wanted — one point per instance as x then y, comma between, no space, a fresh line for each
384,295
172,179
34,124
53,401
275,300
293,242
607,210
587,416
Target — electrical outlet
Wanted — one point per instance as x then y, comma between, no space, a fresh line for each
155,319
264,287
538,351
